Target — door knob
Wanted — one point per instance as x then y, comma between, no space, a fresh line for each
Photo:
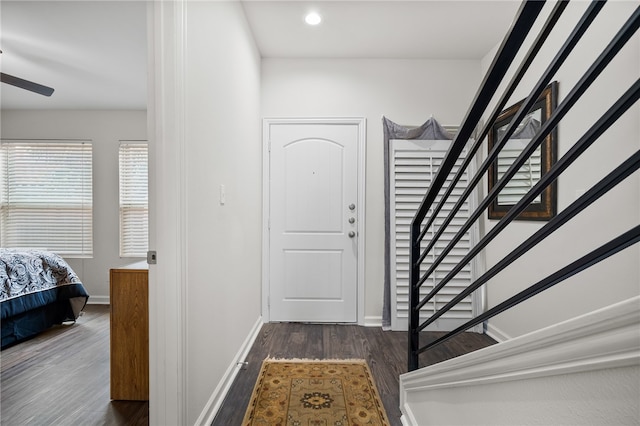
352,206
352,234
352,220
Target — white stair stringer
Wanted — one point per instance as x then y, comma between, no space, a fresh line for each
582,371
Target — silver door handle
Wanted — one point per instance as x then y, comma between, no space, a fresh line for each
352,206
352,234
352,220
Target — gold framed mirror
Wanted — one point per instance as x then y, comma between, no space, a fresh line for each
544,206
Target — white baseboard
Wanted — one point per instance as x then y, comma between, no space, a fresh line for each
497,334
552,358
373,321
217,398
98,300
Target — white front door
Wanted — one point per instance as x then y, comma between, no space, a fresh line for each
313,215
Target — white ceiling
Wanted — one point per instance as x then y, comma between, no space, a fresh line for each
94,52
433,29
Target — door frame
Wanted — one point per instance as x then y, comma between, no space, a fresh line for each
360,122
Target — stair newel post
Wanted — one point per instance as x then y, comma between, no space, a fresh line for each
414,295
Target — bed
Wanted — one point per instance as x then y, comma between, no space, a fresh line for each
38,289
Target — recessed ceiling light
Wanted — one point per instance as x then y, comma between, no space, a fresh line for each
313,18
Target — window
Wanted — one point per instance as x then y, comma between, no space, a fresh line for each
46,197
414,164
526,177
134,200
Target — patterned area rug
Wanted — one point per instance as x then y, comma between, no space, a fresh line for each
315,393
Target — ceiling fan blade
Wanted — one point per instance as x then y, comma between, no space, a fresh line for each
26,84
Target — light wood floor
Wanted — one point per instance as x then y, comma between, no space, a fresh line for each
61,377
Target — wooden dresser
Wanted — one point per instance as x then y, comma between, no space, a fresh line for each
129,298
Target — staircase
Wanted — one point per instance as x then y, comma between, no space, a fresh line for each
584,368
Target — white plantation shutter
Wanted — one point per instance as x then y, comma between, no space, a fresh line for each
526,177
46,196
134,201
414,165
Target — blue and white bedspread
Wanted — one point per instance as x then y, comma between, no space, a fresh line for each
41,283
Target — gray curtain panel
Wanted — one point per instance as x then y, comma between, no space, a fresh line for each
526,130
430,130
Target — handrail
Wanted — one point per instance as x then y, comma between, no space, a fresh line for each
518,75
578,90
601,253
553,67
624,103
513,41
507,51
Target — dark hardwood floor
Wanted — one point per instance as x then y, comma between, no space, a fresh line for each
385,352
61,377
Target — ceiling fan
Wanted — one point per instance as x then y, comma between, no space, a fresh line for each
25,84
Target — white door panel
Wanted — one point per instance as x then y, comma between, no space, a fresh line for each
313,258
313,176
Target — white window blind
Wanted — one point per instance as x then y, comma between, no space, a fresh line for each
414,166
134,200
46,196
526,177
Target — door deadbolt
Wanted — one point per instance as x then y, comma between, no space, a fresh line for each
352,220
352,206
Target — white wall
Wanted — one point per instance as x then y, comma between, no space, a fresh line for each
601,397
405,91
222,146
584,371
105,129
617,278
